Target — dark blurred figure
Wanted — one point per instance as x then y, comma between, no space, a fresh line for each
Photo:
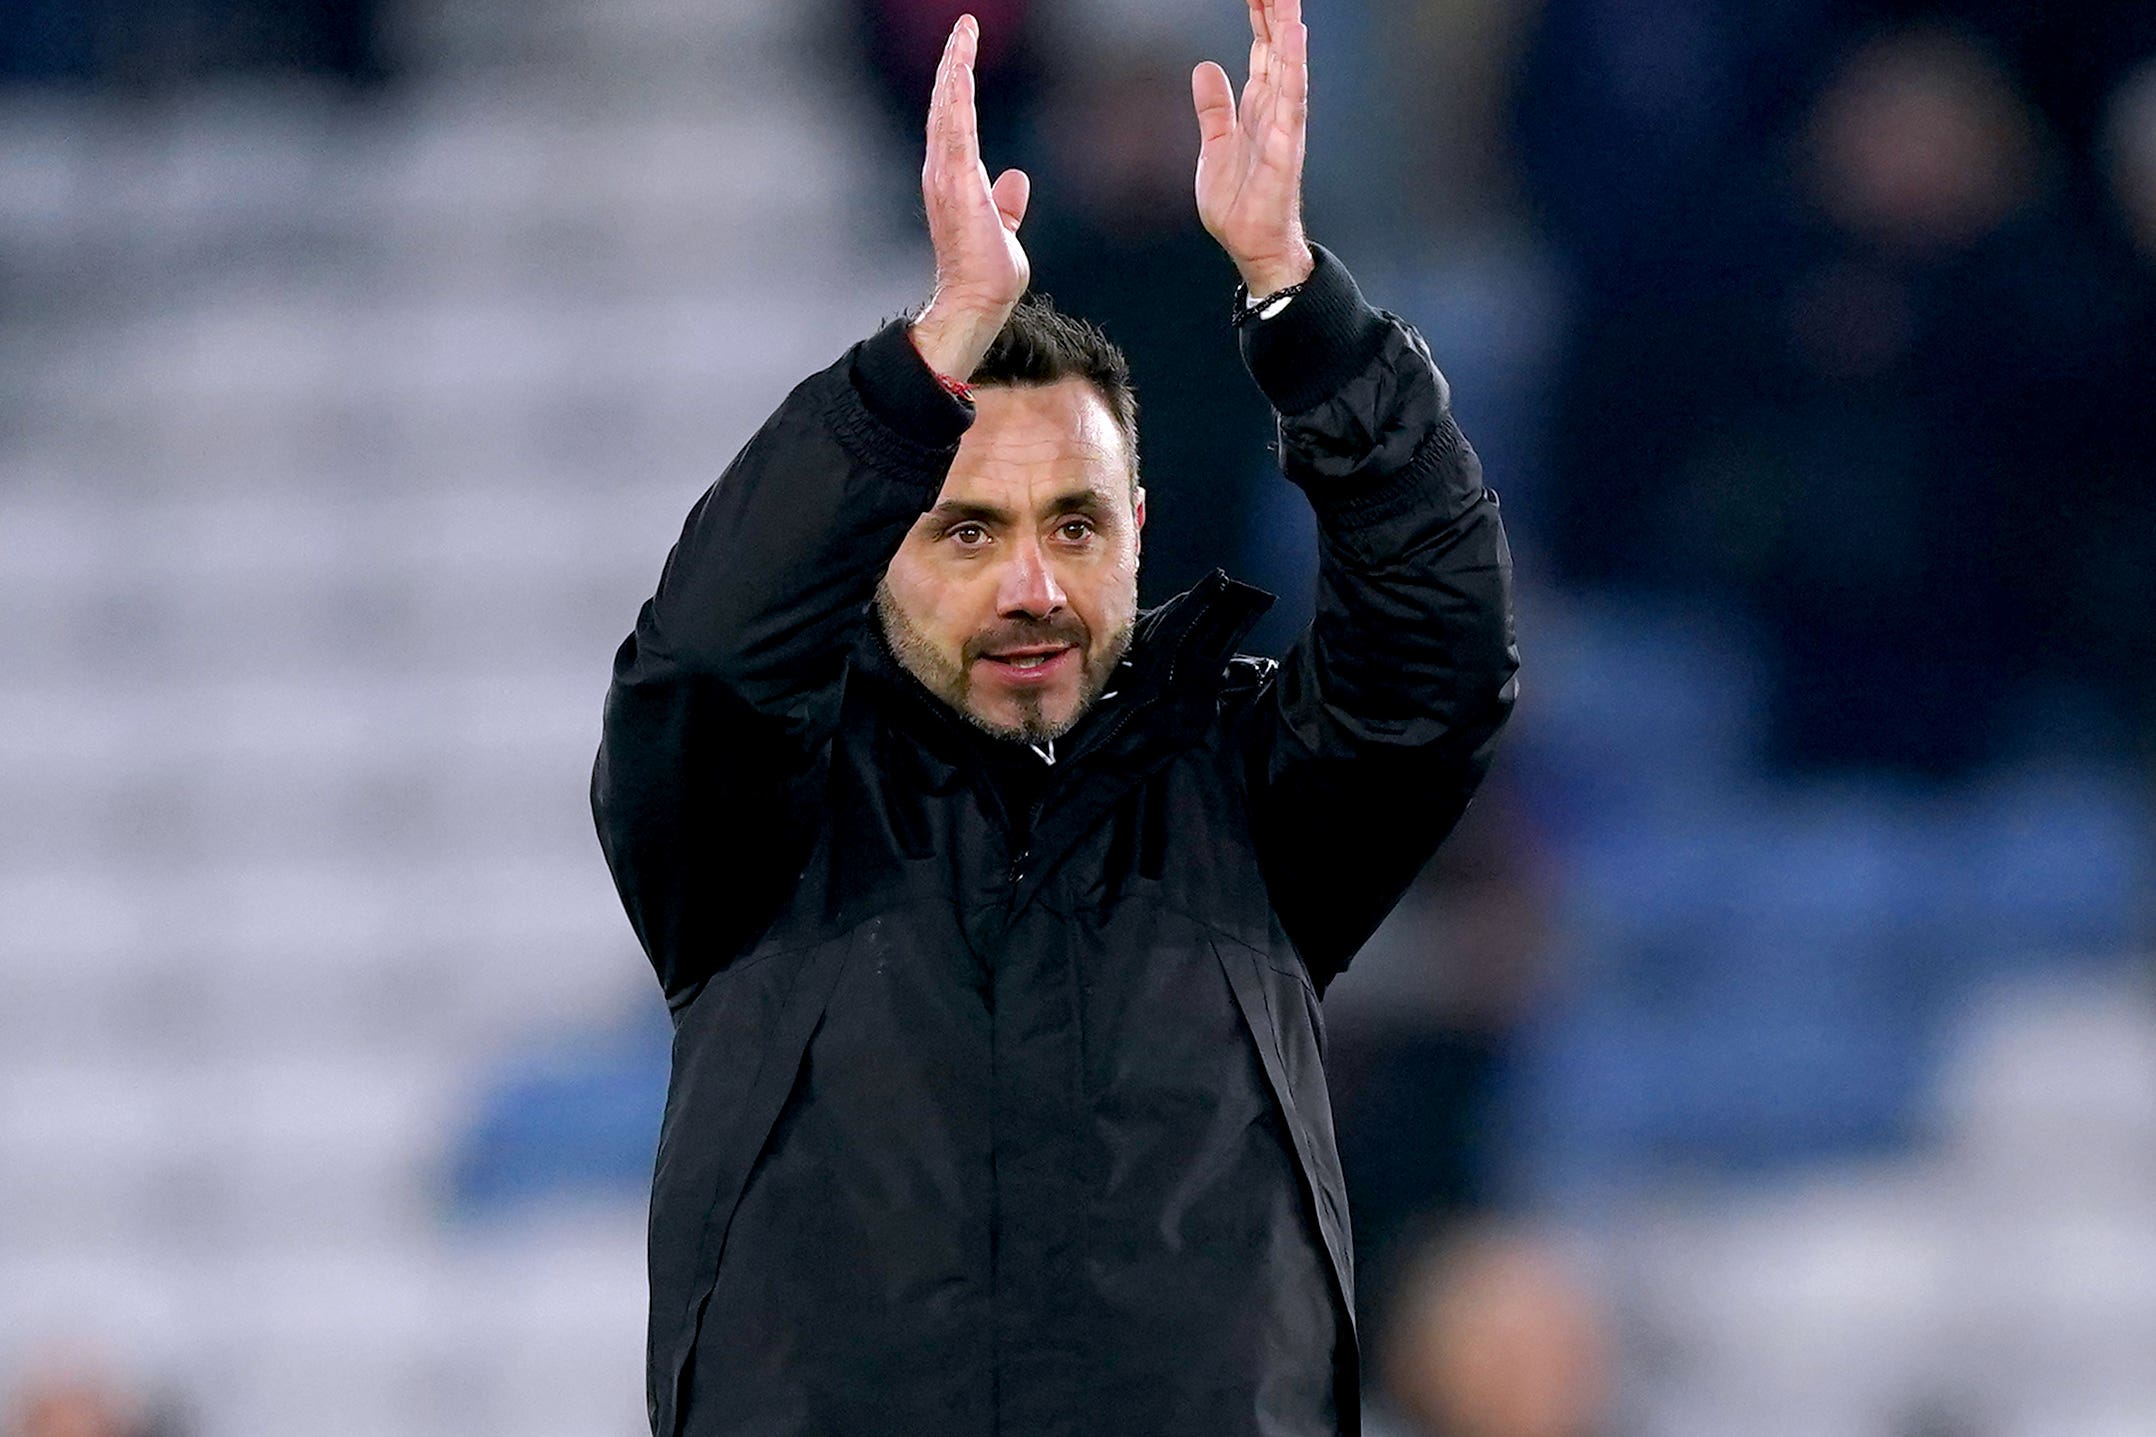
1862,412
1114,236
2114,548
1494,1333
1919,421
72,1398
1420,1034
157,44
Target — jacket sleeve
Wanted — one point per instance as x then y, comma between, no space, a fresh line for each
723,696
1380,723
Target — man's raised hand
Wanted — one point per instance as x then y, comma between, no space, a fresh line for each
981,271
1250,160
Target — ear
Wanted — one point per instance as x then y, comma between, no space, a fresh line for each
1137,519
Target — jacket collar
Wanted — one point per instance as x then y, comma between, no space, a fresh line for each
1178,650
1186,642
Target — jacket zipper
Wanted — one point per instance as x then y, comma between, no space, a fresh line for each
1108,735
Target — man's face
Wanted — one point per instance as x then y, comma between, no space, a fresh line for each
1012,600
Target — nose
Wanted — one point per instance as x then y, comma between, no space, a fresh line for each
1028,585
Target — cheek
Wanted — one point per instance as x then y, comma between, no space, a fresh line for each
1112,594
933,603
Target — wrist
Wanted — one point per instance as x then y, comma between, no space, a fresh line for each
1274,273
898,389
952,338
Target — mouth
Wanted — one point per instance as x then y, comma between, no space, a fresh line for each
1034,665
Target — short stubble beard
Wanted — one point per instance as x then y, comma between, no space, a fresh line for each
953,683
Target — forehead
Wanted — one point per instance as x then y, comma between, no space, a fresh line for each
1026,436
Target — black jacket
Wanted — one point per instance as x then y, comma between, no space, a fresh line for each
967,1137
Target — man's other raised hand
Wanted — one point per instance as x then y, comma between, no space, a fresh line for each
981,270
1250,158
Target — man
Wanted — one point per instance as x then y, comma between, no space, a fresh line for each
993,914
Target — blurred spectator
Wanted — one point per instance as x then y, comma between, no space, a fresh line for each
1862,414
1917,360
1920,145
1494,1334
69,1397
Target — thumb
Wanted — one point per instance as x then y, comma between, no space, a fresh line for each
1214,97
1011,192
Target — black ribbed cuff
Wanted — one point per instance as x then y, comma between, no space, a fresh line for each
897,386
1303,355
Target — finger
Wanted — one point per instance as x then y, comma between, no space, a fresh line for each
1012,191
1294,59
1254,87
935,88
963,140
939,97
1259,29
966,46
1291,37
1214,96
1258,90
1278,128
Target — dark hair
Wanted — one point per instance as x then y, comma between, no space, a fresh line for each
1040,344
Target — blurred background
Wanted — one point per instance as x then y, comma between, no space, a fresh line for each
1773,1051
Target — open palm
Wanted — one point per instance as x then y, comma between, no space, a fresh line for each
981,269
972,223
1250,160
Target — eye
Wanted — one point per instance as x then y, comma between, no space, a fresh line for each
1076,530
968,535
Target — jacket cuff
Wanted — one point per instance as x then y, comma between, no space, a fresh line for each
896,386
1302,356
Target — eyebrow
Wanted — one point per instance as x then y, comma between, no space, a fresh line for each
958,510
